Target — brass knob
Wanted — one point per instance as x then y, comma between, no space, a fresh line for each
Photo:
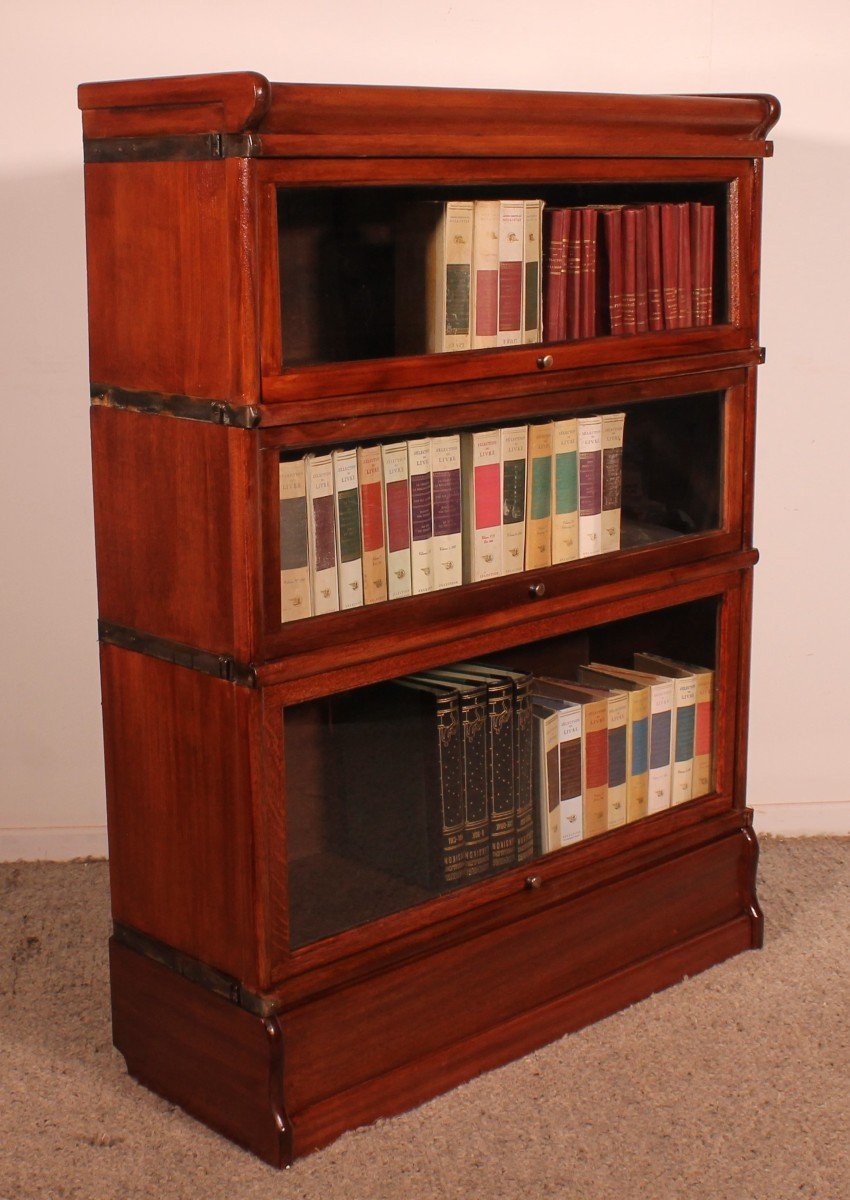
544,361
537,590
533,882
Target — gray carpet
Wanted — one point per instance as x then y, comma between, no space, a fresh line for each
731,1086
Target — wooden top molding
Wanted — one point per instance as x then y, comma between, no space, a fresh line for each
323,120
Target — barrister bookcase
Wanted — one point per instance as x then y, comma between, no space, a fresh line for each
242,258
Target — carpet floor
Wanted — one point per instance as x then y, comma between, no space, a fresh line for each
731,1086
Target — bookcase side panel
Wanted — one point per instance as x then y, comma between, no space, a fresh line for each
175,528
171,287
179,807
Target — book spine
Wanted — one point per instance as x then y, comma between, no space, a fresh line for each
705,282
523,797
618,759
595,767
574,275
641,284
685,293
589,316
514,456
473,710
532,317
670,264
511,245
629,270
455,278
683,740
421,516
638,751
556,225
569,753
660,746
589,486
321,525
565,491
704,700
397,517
613,225
349,542
451,850
370,479
295,592
485,274
447,549
547,781
538,503
612,479
500,732
653,267
693,218
481,455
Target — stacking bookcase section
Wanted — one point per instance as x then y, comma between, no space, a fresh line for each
423,447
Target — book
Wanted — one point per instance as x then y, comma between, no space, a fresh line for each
588,300
538,501
400,756
589,486
653,267
703,723
421,516
349,542
481,476
295,591
704,273
641,276
511,251
564,490
685,294
397,518
612,480
618,743
629,270
637,692
433,277
514,453
569,761
485,274
532,317
574,290
670,264
370,479
447,546
453,276
556,232
594,747
321,526
612,220
547,778
684,720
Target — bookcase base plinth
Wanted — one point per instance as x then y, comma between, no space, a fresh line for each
287,1085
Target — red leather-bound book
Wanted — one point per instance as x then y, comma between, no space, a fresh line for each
574,275
705,284
670,264
556,230
629,270
653,267
686,315
641,296
589,230
613,222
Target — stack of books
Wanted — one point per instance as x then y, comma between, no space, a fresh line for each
382,522
452,774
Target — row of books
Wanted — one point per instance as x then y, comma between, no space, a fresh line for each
452,774
510,272
382,522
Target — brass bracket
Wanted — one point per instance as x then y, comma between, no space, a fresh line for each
219,666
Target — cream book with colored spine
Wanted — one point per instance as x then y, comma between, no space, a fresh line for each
547,777
511,250
618,755
703,725
684,720
321,524
349,542
532,294
421,516
370,479
564,490
589,486
447,548
538,501
514,461
397,519
612,479
569,757
594,746
485,274
453,277
295,592
637,733
481,457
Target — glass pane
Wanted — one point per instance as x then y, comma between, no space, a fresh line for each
407,790
355,262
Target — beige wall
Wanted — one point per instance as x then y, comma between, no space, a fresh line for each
51,781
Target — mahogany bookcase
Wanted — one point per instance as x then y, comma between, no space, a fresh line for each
255,982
